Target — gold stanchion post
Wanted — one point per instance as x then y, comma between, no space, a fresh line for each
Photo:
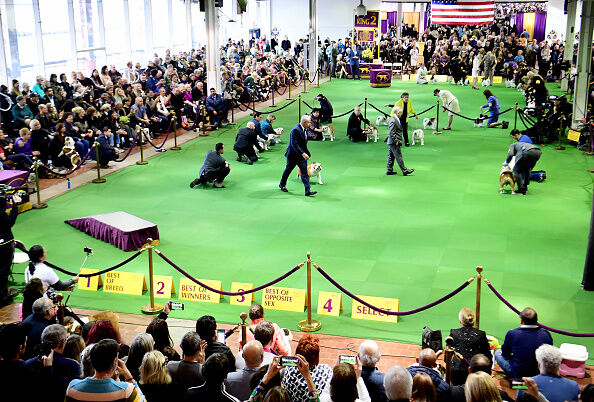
290,83
299,116
175,147
273,95
309,325
365,112
151,308
560,147
39,205
99,179
244,326
305,78
140,135
232,115
516,116
437,120
479,278
319,77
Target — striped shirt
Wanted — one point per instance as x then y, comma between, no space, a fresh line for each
107,389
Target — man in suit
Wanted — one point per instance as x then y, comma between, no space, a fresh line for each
215,168
297,155
106,152
245,142
395,143
216,108
354,57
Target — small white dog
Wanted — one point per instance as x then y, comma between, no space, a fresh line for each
69,150
429,123
382,120
486,82
371,132
480,121
418,135
328,132
276,136
313,169
510,84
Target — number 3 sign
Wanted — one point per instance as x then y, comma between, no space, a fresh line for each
243,300
329,303
163,286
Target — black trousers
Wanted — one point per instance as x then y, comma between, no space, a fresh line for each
302,164
217,175
6,257
248,152
404,125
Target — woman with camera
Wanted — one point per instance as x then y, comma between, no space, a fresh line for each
37,269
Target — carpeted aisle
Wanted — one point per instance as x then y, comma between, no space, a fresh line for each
414,238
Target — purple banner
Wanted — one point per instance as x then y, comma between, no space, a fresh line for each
371,20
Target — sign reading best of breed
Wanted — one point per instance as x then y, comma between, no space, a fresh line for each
362,312
91,282
243,300
287,299
193,292
129,283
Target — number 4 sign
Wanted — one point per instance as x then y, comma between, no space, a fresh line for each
163,286
329,303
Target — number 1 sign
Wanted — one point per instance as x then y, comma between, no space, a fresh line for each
329,303
91,282
163,286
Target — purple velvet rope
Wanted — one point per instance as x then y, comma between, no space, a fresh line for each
282,93
129,149
73,169
221,292
515,310
96,273
314,78
379,310
160,146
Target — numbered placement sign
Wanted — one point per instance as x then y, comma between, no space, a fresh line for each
188,290
329,303
128,283
287,299
243,300
91,282
497,79
163,286
362,312
573,135
405,77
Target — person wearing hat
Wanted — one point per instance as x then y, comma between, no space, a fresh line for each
450,102
106,152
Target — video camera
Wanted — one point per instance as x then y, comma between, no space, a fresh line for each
7,192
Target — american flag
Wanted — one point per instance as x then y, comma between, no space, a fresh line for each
462,12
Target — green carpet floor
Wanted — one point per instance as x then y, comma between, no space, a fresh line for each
413,238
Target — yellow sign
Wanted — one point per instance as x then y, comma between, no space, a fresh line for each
573,135
497,79
128,283
362,312
163,286
91,282
441,78
329,303
413,77
191,291
243,300
405,77
287,299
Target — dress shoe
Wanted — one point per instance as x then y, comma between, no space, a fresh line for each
193,183
391,173
408,171
283,188
249,162
310,193
216,184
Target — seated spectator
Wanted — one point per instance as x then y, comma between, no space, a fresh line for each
314,130
56,149
264,333
80,142
64,370
479,362
398,384
516,356
293,379
21,114
206,328
40,141
238,382
188,371
107,153
280,342
34,290
369,356
480,387
23,144
346,385
155,381
37,269
9,158
43,119
423,389
44,314
245,141
103,329
75,344
160,331
587,394
141,345
105,384
468,341
427,364
215,106
554,387
215,371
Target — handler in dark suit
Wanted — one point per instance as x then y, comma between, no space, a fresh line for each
297,155
526,157
354,131
244,143
215,168
395,143
106,152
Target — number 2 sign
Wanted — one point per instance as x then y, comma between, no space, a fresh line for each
163,286
329,303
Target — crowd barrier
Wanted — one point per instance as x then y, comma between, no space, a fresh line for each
309,324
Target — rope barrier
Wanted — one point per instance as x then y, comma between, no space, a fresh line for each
306,104
345,113
281,93
129,149
280,108
221,292
74,169
382,112
313,79
473,119
160,146
398,313
515,310
127,260
426,110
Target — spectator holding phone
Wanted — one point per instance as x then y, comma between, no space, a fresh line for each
37,269
206,328
346,384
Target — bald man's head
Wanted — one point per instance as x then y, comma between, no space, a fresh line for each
427,358
253,353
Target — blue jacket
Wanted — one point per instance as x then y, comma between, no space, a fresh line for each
297,144
214,103
374,381
525,138
519,346
266,127
63,368
556,388
440,385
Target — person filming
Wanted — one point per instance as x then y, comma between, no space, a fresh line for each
37,269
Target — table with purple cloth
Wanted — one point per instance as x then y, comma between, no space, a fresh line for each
17,178
365,68
123,230
380,78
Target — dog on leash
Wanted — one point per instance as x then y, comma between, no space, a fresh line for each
486,82
69,150
276,136
371,132
328,132
480,121
418,135
429,123
506,177
382,120
313,169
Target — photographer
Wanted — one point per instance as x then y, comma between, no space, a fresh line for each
7,221
37,269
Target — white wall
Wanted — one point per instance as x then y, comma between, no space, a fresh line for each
557,20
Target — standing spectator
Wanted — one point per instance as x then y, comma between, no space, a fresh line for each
369,356
355,56
395,144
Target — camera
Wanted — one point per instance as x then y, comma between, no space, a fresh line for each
7,192
88,250
53,296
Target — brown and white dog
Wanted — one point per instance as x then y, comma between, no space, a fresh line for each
506,177
371,132
69,150
328,132
313,169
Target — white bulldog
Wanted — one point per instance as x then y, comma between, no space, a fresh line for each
418,135
313,169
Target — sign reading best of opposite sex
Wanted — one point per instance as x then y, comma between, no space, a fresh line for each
287,299
129,283
188,290
362,312
91,282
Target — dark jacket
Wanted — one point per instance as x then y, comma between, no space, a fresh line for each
374,381
64,369
469,341
245,138
213,162
441,387
209,393
163,392
217,347
520,345
297,144
214,103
